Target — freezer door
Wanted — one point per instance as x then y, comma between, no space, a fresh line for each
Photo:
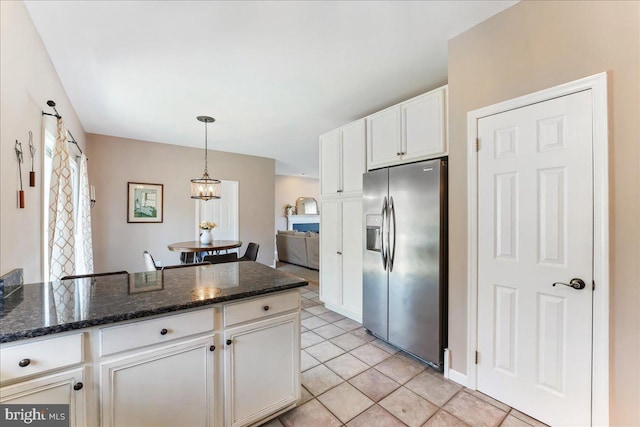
415,299
374,273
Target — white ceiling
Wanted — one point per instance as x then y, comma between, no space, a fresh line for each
274,74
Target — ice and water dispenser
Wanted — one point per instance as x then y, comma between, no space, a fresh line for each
374,232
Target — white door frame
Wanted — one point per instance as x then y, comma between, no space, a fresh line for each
600,345
227,186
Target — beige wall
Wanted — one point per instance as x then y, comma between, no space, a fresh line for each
533,46
115,161
288,189
27,80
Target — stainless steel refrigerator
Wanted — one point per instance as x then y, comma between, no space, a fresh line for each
405,257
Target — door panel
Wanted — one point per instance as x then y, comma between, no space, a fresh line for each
424,126
330,262
261,369
383,138
56,389
352,244
133,388
535,227
330,163
224,212
353,157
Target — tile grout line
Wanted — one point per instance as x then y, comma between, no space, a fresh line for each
398,352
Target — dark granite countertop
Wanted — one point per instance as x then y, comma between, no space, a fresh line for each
38,309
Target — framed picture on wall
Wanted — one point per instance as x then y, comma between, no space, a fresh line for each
144,202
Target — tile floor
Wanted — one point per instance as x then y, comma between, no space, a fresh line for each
351,378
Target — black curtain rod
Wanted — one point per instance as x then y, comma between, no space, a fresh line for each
57,115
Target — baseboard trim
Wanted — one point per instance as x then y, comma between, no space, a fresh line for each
343,311
447,362
457,377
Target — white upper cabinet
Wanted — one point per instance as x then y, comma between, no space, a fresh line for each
423,126
330,158
342,160
353,159
384,137
410,131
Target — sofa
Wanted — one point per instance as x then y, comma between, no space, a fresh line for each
300,248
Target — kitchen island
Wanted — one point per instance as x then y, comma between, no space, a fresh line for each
213,345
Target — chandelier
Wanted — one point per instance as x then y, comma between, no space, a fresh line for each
205,188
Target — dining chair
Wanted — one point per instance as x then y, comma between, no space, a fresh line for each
251,254
191,257
82,276
149,263
219,259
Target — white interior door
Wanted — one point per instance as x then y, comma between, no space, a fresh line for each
535,227
223,211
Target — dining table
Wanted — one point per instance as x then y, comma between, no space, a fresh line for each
196,247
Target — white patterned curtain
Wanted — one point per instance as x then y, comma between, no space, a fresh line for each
84,243
61,223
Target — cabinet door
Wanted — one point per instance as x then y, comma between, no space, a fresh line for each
262,368
330,258
352,247
353,157
172,386
383,138
53,390
330,163
423,122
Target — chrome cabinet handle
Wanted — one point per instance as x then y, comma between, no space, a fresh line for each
24,363
574,283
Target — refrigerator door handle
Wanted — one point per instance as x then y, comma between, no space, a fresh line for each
392,232
383,252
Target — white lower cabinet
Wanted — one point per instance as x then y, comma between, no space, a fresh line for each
65,388
167,370
262,368
171,386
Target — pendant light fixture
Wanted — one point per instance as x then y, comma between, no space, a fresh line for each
205,188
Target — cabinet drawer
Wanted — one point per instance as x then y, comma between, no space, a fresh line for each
260,307
148,332
41,356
